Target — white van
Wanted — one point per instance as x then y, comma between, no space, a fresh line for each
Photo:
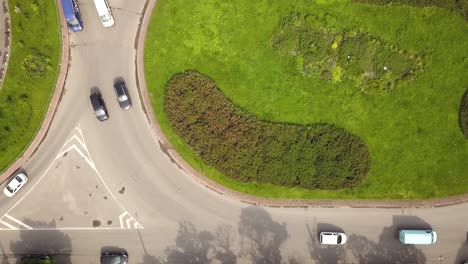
104,13
418,237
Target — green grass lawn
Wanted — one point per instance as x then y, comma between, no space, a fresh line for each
412,132
31,76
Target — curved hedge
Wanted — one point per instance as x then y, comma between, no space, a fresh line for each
463,114
318,156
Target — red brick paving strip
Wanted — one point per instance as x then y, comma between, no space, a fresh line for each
245,198
40,135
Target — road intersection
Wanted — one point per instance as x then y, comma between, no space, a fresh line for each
95,185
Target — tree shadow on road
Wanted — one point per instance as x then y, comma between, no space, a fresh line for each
329,254
43,242
462,254
200,247
4,258
260,236
389,249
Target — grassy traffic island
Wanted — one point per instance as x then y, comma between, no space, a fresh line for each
325,99
31,75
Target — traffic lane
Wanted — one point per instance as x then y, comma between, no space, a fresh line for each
127,19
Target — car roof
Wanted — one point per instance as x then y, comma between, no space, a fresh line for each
120,88
330,238
95,101
68,9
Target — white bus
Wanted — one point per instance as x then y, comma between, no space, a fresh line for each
104,13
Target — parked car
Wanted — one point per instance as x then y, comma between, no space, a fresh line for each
104,13
114,258
99,107
15,184
333,238
122,95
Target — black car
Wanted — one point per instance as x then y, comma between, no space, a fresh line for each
99,106
114,258
122,95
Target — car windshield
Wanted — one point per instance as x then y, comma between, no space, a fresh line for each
105,18
9,189
339,239
18,178
100,112
111,260
73,22
123,98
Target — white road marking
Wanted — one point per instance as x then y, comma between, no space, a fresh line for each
77,139
93,166
128,222
69,229
18,221
121,219
10,226
90,163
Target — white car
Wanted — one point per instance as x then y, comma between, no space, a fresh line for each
15,184
333,238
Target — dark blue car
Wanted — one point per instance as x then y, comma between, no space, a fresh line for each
72,15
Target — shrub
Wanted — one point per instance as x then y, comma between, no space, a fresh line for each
36,63
463,114
316,156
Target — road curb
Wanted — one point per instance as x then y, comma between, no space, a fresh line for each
245,198
42,132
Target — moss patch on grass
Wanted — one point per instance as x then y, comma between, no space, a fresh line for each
325,50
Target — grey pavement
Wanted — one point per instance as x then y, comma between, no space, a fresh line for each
181,219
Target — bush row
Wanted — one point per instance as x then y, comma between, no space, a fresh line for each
463,114
458,6
317,156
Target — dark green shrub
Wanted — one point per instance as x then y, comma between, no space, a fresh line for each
317,156
463,114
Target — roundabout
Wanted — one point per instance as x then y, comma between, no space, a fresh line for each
158,207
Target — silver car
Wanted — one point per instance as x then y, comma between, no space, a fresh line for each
15,184
122,95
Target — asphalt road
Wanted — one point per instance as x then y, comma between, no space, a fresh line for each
96,186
